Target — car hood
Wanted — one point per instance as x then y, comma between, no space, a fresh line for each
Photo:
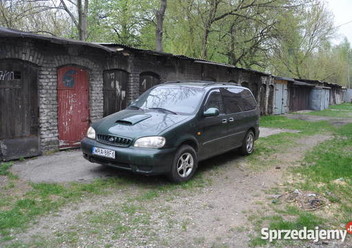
137,123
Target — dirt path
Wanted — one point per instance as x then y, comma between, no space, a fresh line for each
336,121
213,215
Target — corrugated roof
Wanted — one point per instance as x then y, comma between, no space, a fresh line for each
317,82
284,78
116,48
6,32
300,83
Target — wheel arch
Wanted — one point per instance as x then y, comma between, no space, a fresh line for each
191,142
255,132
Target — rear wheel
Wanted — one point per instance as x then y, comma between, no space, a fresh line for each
184,165
248,143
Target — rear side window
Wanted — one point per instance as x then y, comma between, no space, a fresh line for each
249,102
232,100
238,100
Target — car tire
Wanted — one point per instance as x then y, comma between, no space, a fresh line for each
248,143
184,164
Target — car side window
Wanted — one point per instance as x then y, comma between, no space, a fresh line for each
249,102
214,101
232,100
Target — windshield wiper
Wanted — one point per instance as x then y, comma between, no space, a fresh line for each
165,110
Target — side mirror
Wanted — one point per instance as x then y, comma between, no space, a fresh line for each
211,112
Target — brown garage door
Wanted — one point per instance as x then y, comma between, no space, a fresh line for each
115,91
73,110
19,114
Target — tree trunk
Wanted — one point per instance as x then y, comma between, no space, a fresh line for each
204,52
160,14
82,19
213,8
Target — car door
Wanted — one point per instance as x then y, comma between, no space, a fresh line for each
212,134
236,117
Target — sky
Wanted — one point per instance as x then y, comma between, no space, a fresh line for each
342,10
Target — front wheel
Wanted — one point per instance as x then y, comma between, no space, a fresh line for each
184,165
248,143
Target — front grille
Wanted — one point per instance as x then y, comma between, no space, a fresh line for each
114,140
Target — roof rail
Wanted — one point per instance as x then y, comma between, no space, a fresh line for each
191,81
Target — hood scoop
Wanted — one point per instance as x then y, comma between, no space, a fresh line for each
132,120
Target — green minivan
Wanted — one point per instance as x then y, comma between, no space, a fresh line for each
173,126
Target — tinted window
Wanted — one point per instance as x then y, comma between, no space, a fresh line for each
214,101
232,100
249,102
179,99
237,100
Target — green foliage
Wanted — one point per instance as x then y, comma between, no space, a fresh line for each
128,22
302,33
284,37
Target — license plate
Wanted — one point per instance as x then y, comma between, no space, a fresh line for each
103,152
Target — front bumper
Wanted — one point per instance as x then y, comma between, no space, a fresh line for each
139,160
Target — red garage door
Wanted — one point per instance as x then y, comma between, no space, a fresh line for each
73,111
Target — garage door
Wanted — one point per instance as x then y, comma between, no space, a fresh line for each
19,113
115,91
73,107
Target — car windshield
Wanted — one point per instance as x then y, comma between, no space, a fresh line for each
171,99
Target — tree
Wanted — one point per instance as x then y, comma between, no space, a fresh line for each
34,16
299,36
80,20
160,14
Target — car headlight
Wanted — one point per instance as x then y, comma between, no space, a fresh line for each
91,133
150,142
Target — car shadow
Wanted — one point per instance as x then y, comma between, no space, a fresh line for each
205,167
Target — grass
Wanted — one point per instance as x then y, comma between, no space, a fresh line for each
21,202
4,168
298,220
326,170
305,127
16,211
344,106
268,146
341,110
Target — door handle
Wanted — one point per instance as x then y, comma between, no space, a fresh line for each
224,121
231,119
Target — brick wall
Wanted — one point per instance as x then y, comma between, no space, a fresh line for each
49,57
